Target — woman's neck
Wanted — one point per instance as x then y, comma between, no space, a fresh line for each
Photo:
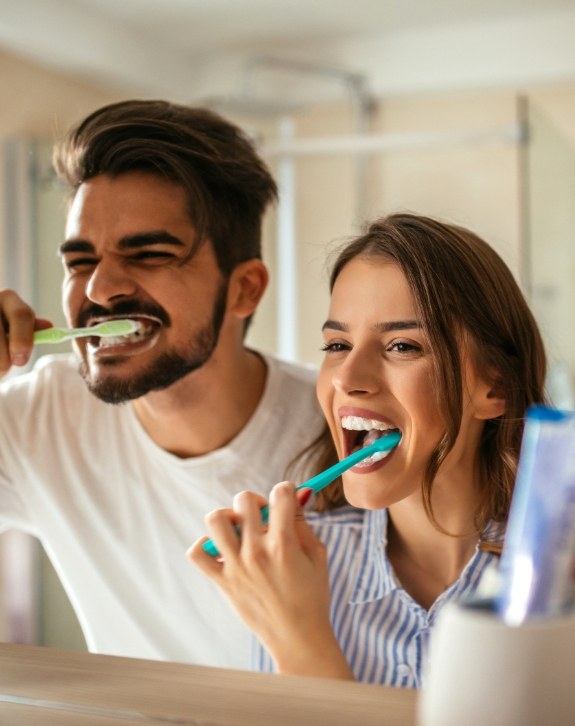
426,561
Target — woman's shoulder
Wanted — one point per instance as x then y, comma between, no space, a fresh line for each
346,516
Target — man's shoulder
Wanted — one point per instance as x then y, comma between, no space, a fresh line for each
286,421
290,389
62,364
59,368
51,396
298,372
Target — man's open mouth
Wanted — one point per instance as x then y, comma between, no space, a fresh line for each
146,328
360,432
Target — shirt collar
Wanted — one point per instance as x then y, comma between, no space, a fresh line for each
375,578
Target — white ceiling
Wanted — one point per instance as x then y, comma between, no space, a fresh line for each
192,48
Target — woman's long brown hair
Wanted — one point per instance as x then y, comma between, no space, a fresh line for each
463,290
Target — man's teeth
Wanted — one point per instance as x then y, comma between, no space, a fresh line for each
134,337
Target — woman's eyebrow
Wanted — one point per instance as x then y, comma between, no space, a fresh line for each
378,327
397,325
334,325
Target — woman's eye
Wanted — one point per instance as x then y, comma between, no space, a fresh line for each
335,347
403,346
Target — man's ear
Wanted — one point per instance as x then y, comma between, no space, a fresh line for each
248,283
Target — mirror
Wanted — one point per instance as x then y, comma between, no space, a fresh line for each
449,150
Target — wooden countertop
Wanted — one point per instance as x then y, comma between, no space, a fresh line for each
47,686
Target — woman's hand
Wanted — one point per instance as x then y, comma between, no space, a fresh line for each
276,577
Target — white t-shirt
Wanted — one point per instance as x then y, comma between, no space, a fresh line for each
116,513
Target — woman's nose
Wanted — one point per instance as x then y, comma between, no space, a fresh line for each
358,374
109,281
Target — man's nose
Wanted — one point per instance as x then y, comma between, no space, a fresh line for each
109,281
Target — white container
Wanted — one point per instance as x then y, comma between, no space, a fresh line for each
482,672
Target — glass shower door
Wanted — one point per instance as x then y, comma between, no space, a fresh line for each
549,263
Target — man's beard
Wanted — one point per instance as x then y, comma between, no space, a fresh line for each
168,368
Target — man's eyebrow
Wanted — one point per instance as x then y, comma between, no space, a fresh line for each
129,242
75,245
379,327
143,239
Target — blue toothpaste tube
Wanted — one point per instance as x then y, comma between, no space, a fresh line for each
538,559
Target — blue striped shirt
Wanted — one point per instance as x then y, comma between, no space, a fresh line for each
381,629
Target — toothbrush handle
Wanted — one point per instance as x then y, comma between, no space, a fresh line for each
51,335
316,483
103,330
321,480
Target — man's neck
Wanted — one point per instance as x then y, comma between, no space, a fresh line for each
207,409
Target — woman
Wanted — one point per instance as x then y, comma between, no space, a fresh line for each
427,333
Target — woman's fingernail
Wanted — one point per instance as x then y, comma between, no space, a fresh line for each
19,359
304,496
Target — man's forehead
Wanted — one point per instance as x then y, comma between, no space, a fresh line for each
129,206
133,191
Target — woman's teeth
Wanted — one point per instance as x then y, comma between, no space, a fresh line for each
373,429
378,456
356,423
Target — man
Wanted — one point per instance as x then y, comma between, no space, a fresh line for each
163,228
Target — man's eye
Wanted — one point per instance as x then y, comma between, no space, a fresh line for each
151,255
78,263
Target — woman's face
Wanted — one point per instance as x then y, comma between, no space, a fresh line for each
378,374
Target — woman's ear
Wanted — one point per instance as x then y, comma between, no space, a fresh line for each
490,399
247,285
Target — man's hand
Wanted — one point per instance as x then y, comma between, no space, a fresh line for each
17,325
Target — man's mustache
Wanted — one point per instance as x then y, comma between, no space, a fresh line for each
125,308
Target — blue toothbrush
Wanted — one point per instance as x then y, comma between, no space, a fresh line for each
107,329
320,481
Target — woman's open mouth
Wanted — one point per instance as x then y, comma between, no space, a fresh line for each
359,432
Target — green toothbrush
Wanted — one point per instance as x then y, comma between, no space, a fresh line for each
318,482
107,329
